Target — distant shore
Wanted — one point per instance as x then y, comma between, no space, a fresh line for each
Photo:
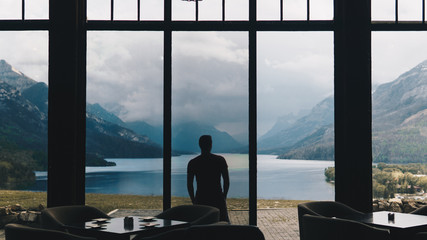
32,200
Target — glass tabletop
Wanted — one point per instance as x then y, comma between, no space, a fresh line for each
399,220
127,225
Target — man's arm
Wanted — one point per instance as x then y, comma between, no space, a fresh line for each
226,179
190,186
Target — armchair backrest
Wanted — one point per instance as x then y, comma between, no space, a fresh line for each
20,232
194,214
326,209
57,217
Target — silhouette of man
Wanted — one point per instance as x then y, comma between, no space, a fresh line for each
208,169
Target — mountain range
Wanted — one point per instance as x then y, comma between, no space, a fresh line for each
399,125
24,117
293,132
23,123
399,119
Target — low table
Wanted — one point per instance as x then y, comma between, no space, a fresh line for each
402,226
116,228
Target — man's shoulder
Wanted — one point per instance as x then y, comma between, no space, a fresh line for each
193,160
218,156
196,158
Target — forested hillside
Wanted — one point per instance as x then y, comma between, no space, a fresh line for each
399,120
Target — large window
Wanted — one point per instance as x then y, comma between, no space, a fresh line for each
399,115
124,116
210,96
295,116
23,118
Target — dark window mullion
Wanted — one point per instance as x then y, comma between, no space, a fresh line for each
252,129
223,10
281,10
23,9
252,115
167,106
197,10
112,10
139,10
67,103
424,11
396,13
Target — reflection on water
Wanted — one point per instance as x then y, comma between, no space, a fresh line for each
277,178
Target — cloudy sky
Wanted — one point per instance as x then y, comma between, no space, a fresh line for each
210,69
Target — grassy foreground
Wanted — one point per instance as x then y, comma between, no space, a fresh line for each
109,202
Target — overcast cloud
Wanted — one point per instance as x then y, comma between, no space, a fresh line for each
27,52
210,69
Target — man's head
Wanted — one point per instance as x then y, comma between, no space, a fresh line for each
205,143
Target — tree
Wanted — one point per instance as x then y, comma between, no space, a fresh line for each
330,174
4,174
378,190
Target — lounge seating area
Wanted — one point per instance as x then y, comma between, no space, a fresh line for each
207,232
316,220
320,220
87,223
279,223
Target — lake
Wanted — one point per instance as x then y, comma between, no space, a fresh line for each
277,178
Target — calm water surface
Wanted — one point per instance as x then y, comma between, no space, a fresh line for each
277,178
